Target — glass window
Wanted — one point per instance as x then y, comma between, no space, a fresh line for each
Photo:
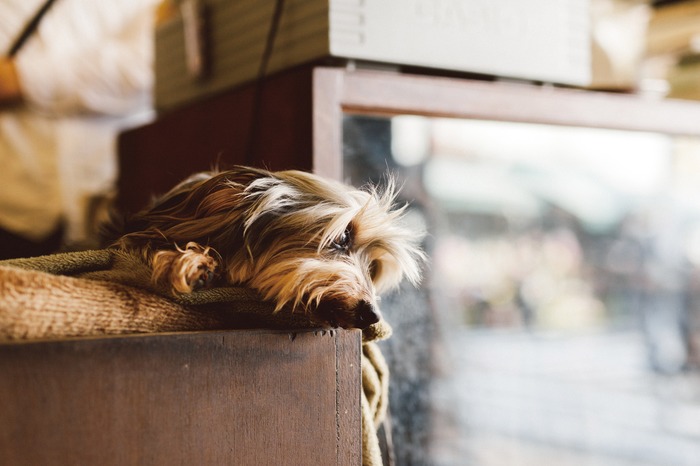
558,320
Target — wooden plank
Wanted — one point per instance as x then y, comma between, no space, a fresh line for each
349,421
236,397
327,124
380,93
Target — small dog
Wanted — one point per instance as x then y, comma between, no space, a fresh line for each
298,239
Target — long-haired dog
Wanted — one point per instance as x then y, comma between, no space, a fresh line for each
298,239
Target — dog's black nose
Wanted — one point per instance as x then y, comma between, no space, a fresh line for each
366,315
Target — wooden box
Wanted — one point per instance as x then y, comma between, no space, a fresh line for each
235,397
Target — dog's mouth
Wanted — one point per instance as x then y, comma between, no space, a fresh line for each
337,314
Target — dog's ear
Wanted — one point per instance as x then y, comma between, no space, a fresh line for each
179,193
206,208
121,223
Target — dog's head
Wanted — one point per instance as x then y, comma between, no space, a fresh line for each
300,240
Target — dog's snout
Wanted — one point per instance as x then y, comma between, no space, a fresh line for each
366,314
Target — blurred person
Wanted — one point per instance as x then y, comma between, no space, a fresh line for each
81,77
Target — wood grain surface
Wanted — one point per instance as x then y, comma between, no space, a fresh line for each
209,398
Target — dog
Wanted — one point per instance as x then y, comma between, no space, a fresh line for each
298,239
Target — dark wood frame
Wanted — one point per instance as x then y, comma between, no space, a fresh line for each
300,116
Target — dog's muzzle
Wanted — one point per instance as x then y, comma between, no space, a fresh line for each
366,315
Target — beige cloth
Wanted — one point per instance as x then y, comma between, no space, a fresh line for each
86,73
108,292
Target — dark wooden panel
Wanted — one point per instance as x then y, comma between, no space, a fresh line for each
155,157
238,397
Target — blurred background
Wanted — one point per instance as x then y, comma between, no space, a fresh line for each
559,321
563,291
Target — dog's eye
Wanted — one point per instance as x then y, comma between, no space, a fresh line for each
342,242
374,270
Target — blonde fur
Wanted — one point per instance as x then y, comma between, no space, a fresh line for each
298,239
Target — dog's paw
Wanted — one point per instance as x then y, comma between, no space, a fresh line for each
186,270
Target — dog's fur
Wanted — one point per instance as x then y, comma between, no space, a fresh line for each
298,239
